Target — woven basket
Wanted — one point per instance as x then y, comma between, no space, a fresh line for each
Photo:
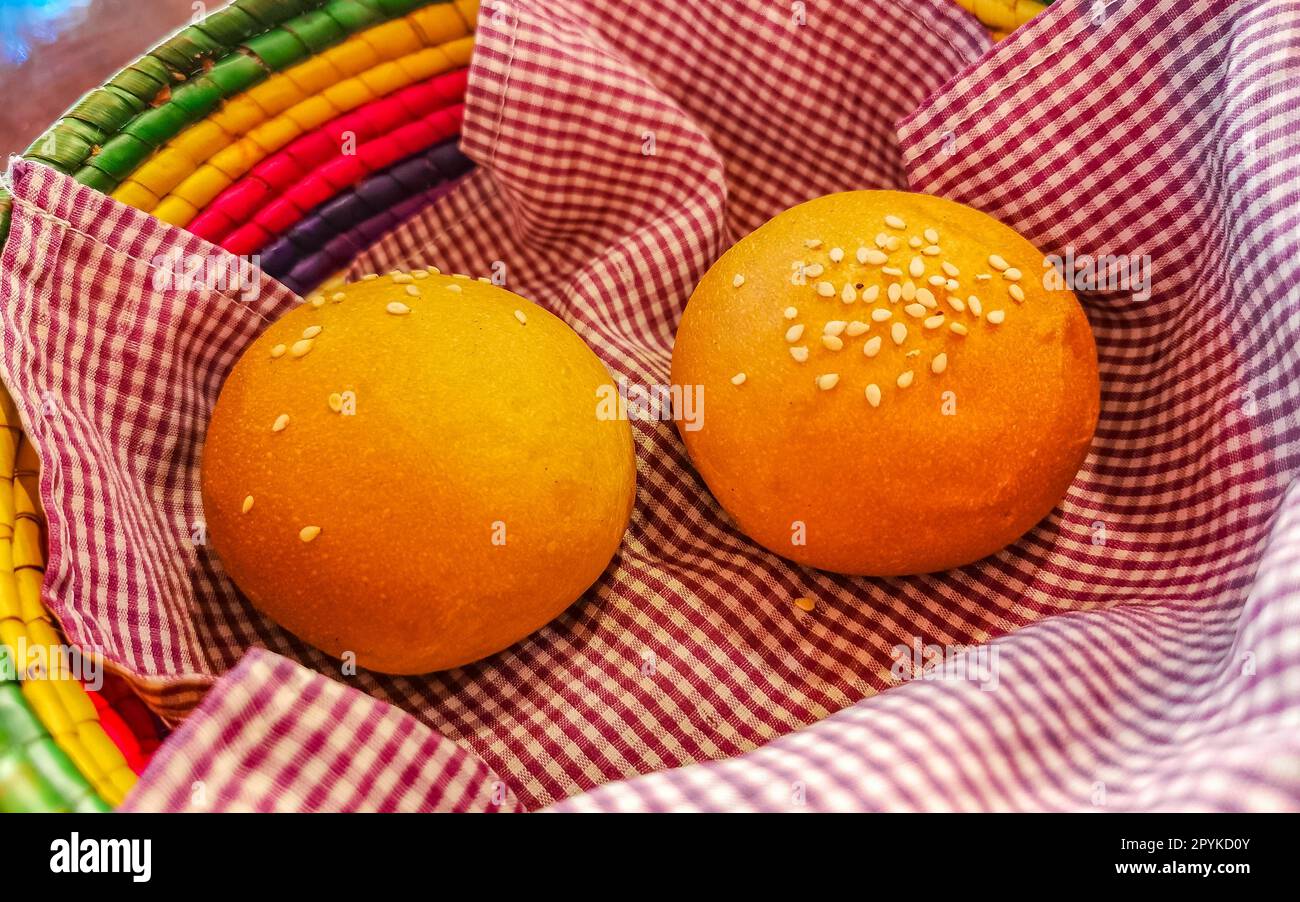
234,128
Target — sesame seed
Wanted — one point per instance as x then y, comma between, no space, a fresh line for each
862,253
856,328
280,423
813,270
813,243
402,278
905,379
794,333
882,240
826,289
957,304
915,352
975,306
935,321
827,381
880,314
277,351
459,275
875,257
738,379
997,262
318,300
872,292
455,288
916,267
916,310
737,280
1011,274
914,242
397,308
301,347
892,271
983,277
949,269
951,285
420,273
898,332
926,297
791,312
937,281
833,342
1017,293
248,504
895,222
337,296
909,290
307,533
800,354
412,291
872,346
894,292
931,236
958,328
836,254
370,277
519,315
996,317
484,279
335,402
893,243
311,331
873,395
834,327
939,363
848,295
931,250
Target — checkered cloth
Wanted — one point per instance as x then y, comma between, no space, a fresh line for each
279,737
1145,651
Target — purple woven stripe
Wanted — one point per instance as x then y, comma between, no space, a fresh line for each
307,253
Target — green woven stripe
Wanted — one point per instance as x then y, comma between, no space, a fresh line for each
198,97
229,25
273,12
133,114
35,774
186,50
120,155
277,49
317,30
353,15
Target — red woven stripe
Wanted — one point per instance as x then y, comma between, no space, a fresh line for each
237,203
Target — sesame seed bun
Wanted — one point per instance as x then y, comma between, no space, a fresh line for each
830,445
422,483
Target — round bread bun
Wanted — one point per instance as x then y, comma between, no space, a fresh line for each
802,452
422,483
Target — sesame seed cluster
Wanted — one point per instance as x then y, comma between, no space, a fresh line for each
409,283
901,284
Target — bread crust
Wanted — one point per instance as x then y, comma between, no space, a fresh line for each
466,498
945,471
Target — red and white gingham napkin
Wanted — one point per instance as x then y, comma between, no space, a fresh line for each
1147,656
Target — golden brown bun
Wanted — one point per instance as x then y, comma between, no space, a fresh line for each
943,472
470,428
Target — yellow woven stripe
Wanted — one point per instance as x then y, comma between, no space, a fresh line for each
209,179
1002,16
195,168
58,700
